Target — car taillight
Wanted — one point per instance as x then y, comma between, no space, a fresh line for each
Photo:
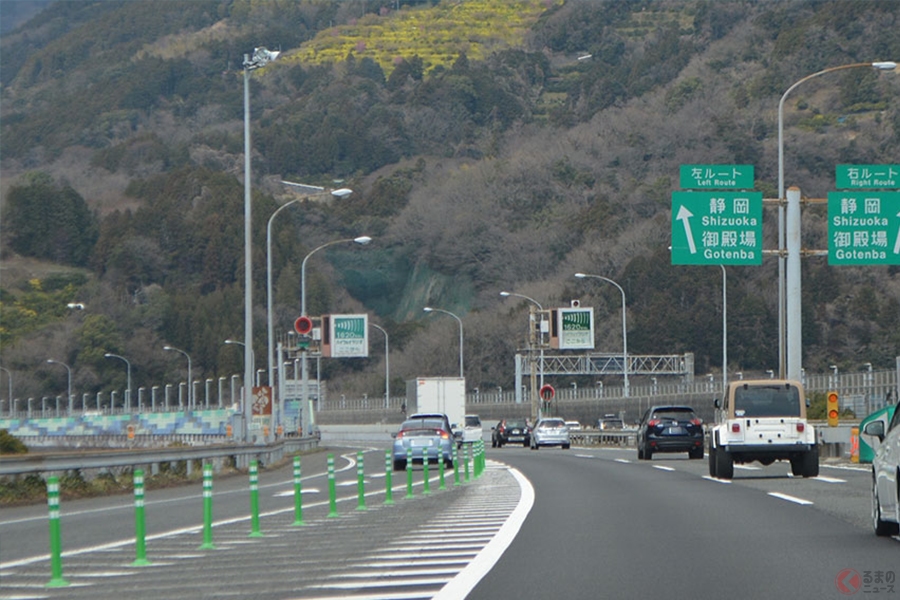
399,435
801,427
444,434
696,422
735,428
653,422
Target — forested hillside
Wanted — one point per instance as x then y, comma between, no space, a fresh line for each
490,145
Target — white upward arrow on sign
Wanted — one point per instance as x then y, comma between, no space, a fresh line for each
684,216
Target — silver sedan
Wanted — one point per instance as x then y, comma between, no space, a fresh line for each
550,432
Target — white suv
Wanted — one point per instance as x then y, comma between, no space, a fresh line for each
762,420
472,429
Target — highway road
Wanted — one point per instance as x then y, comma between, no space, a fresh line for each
579,523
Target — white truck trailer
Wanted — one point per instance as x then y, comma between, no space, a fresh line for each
445,395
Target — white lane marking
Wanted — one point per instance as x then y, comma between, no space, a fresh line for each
829,479
662,468
847,468
748,467
709,478
793,499
468,578
585,456
622,460
290,493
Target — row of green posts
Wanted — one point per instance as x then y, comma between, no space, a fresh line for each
472,453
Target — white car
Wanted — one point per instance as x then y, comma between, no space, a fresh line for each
550,432
886,476
472,429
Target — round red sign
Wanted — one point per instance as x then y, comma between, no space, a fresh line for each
303,325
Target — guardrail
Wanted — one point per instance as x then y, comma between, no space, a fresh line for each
604,438
243,455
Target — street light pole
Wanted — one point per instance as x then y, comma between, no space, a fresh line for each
269,314
531,342
340,193
624,326
387,366
790,351
304,395
128,368
190,383
429,309
68,377
724,331
260,57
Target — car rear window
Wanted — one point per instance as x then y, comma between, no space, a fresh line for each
767,401
515,424
553,423
680,414
422,424
473,422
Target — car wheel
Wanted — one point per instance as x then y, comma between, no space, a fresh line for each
399,465
565,446
882,528
696,453
493,442
640,452
527,442
724,465
712,459
810,463
648,453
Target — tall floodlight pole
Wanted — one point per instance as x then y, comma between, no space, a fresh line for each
387,366
305,400
190,382
260,57
429,309
128,370
790,351
68,377
624,326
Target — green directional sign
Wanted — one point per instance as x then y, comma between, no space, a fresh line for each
717,228
859,177
716,177
864,228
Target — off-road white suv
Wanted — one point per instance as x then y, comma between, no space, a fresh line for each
762,420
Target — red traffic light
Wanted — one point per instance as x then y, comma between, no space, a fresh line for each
303,325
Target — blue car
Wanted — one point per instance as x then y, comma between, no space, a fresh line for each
424,433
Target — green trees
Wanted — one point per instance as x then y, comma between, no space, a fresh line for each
49,222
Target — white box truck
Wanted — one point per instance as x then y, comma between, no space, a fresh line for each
445,395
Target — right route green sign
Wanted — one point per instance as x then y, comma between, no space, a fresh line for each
863,228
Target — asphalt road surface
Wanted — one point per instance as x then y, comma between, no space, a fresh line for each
579,523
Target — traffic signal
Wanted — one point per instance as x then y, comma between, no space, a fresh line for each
831,408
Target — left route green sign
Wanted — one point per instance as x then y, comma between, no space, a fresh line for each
716,177
717,228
